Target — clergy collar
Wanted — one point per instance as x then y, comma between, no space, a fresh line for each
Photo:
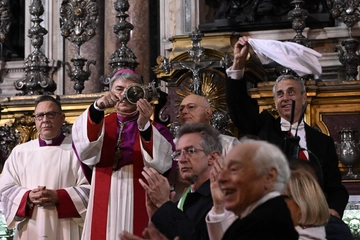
53,142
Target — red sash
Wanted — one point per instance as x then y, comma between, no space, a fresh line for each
102,183
140,214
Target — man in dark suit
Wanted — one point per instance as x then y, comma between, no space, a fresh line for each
197,148
319,148
255,173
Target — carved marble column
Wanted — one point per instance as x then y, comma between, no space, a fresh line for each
139,40
140,36
110,38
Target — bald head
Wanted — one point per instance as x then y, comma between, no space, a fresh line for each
194,108
264,156
196,99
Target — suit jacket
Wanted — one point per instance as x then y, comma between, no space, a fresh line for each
244,112
188,224
270,220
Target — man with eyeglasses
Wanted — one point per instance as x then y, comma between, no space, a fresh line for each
254,175
195,108
43,190
197,149
288,89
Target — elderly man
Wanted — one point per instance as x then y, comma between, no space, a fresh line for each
117,147
197,148
195,108
254,175
319,148
43,190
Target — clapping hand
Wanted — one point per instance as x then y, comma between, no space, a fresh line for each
216,193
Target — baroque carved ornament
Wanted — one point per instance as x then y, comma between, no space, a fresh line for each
78,22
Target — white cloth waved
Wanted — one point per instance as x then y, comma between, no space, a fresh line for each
300,59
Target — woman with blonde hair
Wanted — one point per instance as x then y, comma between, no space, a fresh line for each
307,204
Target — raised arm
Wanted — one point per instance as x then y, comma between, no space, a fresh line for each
242,109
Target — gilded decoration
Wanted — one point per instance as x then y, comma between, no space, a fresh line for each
200,69
212,87
25,125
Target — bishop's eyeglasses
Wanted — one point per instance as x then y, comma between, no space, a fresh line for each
188,152
49,115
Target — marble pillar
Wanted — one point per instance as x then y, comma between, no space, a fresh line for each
111,42
140,36
139,42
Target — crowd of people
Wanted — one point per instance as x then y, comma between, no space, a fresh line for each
112,177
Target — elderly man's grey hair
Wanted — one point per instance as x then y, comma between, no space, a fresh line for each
125,76
211,137
289,77
269,156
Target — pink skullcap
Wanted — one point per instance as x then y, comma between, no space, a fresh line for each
125,70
